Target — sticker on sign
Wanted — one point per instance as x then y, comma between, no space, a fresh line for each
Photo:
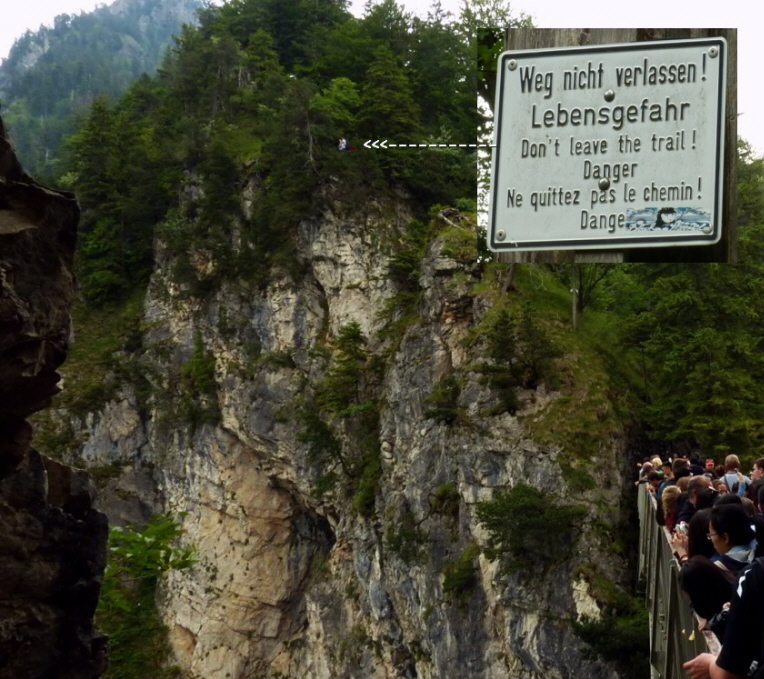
609,146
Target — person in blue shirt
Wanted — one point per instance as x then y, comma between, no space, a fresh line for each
736,481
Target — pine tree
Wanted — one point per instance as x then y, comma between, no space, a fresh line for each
388,108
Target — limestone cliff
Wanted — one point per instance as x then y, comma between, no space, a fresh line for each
52,543
296,579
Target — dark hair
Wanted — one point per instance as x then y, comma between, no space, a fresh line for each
706,498
681,473
708,586
698,543
755,489
655,476
759,463
733,520
728,499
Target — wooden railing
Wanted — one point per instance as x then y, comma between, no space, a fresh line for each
674,635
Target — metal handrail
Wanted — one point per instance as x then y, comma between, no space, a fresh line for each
674,635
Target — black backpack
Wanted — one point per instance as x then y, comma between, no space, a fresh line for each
759,673
718,623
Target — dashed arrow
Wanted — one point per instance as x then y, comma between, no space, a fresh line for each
377,144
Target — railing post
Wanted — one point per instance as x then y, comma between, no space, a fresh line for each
672,642
644,536
658,635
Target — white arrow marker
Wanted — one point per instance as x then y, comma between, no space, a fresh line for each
384,145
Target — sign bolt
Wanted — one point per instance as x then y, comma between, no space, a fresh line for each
500,235
512,64
609,95
713,51
604,183
707,229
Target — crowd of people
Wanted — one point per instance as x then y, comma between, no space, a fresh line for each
715,520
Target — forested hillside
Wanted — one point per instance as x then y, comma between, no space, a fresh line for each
53,74
261,92
694,334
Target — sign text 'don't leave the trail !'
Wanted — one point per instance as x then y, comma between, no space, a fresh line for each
609,146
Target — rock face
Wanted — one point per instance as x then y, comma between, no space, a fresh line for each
52,542
294,583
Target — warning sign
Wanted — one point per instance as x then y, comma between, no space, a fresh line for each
609,146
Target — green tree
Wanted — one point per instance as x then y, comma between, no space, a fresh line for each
442,402
528,528
699,332
125,187
262,58
96,170
343,391
502,350
138,645
443,78
535,350
388,26
339,102
343,421
388,108
94,157
348,53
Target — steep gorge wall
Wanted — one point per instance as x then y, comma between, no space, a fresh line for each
52,542
289,584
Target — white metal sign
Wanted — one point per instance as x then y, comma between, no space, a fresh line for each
609,146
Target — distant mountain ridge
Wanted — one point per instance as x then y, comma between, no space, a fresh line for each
55,72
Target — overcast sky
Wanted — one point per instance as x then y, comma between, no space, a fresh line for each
746,15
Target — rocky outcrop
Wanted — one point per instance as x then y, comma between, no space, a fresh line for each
291,582
52,542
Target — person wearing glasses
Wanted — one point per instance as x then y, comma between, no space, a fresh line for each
732,533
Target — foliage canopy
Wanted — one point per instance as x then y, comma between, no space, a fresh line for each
529,528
